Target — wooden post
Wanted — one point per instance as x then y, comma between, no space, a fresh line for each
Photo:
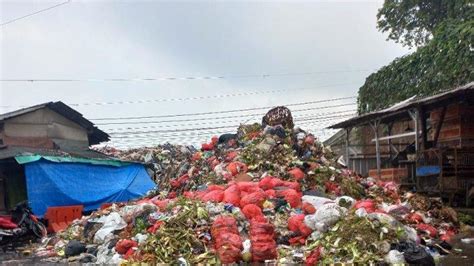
375,127
389,129
414,115
438,126
348,132
424,131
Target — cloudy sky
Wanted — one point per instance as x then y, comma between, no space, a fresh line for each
265,53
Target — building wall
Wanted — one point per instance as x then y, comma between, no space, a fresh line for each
39,129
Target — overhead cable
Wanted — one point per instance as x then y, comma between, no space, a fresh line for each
266,75
34,13
224,111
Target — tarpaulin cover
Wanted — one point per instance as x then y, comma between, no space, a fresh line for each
23,159
428,170
62,184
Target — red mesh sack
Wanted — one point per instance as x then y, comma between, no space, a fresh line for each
256,198
292,197
276,182
308,208
215,187
231,156
297,240
296,174
124,245
261,238
257,228
246,186
214,196
304,230
229,254
236,167
224,224
228,239
293,185
232,195
207,146
260,219
270,193
251,211
262,251
266,183
313,257
294,222
161,204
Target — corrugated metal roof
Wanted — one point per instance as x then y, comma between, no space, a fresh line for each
402,107
12,151
95,135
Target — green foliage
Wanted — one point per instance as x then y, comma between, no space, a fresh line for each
446,62
413,22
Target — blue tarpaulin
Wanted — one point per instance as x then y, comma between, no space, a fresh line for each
63,184
428,170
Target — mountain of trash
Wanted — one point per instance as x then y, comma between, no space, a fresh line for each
269,194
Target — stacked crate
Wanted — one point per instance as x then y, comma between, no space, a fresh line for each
457,129
390,174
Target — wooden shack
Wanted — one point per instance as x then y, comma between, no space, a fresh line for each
424,143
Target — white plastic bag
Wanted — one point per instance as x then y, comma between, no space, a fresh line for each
111,222
394,257
345,201
317,202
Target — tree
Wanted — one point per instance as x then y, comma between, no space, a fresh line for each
413,22
443,30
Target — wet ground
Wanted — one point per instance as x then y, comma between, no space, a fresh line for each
464,255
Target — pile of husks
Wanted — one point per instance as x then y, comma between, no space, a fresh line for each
270,194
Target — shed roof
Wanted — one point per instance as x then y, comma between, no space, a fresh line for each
95,135
399,110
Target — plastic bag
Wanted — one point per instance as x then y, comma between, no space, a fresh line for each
368,205
317,202
214,196
329,214
232,195
111,222
266,183
251,211
345,201
256,198
395,257
215,187
428,229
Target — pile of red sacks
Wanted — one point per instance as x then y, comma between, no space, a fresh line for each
227,241
241,194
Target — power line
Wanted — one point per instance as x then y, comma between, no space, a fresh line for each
220,112
199,129
34,13
186,78
190,98
211,120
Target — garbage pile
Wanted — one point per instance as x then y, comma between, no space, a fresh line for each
272,194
